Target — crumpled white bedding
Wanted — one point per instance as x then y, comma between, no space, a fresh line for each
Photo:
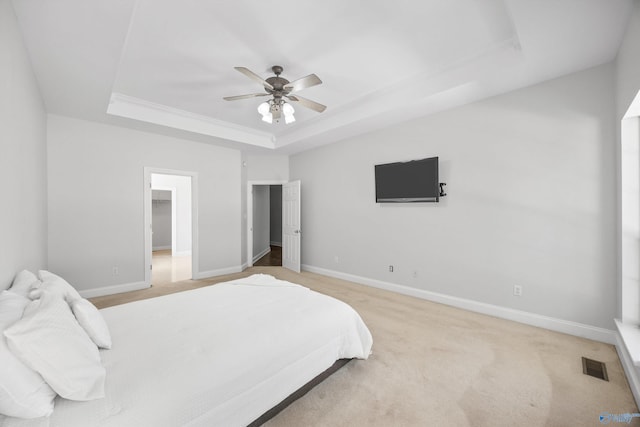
216,356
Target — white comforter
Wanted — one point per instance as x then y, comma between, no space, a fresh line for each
216,356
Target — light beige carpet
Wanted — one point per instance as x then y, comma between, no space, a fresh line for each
434,365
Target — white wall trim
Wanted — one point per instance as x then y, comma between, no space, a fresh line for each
161,248
558,325
146,111
261,254
218,272
113,289
279,244
629,368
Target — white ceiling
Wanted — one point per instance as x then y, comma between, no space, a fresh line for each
166,64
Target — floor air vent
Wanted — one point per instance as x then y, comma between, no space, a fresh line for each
594,368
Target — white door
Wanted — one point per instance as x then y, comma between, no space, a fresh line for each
291,226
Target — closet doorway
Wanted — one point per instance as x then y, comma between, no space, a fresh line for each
265,227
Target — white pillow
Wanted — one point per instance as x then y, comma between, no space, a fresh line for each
23,392
92,322
49,340
23,282
54,283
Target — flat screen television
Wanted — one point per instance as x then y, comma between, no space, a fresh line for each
408,182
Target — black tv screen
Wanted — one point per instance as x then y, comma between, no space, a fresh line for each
406,182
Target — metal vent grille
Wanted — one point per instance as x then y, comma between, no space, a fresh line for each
594,368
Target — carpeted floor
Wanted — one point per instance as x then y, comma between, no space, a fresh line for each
434,365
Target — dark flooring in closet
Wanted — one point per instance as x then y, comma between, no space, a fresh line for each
272,259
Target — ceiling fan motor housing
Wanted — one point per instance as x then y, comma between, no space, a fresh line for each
278,86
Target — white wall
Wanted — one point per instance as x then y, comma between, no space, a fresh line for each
531,183
23,217
182,187
261,229
628,63
275,214
161,223
96,175
267,167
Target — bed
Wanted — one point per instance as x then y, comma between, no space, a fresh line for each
221,355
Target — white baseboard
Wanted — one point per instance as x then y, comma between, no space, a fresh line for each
161,248
128,287
279,244
219,272
113,289
553,324
629,368
261,254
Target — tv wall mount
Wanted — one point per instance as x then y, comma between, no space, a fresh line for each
442,193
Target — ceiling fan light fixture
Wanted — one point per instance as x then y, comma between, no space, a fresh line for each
288,111
265,110
278,87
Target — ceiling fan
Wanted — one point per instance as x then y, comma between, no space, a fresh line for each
280,88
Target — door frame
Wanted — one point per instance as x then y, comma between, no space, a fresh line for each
250,185
148,246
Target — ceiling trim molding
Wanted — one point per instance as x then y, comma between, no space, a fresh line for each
139,109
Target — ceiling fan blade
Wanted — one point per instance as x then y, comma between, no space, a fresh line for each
303,83
251,95
253,76
308,103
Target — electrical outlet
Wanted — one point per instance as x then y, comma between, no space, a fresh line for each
391,269
115,271
336,259
517,290
414,274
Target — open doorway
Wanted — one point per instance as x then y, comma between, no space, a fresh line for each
267,225
171,223
289,222
264,237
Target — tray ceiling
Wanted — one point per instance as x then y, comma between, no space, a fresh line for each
165,65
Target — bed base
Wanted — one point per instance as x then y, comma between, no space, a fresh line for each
299,393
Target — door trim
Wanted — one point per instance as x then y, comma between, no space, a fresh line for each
147,219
